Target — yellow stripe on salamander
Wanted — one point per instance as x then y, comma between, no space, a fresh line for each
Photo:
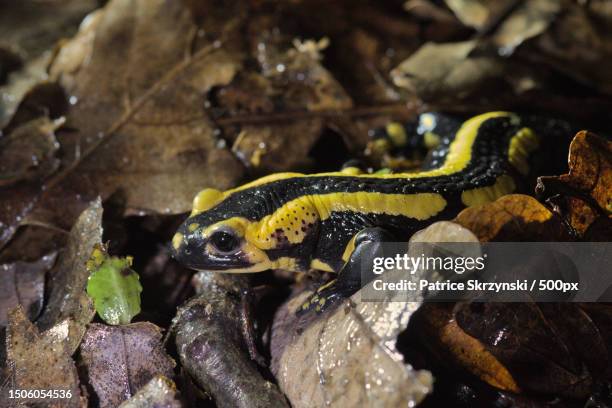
503,185
524,142
293,220
458,157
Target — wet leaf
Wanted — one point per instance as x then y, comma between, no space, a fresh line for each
552,348
146,132
585,193
12,93
216,346
30,30
114,287
160,392
23,283
439,331
346,357
29,152
297,73
67,281
514,217
30,353
120,360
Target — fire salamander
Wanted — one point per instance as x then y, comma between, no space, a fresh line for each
300,222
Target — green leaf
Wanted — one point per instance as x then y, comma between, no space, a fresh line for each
114,287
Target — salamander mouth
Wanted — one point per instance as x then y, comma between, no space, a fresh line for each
219,264
191,254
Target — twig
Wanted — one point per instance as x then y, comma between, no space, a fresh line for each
306,115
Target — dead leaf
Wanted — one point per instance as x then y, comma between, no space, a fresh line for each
586,191
120,360
445,71
473,13
512,23
296,73
30,30
513,217
30,353
12,93
23,283
146,132
160,392
438,330
346,358
549,348
576,46
29,152
67,297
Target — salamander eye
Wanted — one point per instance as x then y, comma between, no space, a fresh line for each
224,242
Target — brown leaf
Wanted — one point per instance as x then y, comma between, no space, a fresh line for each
140,125
445,71
576,46
586,191
439,331
551,348
23,283
30,354
297,74
120,360
28,153
514,217
30,30
67,297
346,357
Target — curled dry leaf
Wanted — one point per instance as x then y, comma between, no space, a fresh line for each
160,392
120,360
438,329
585,193
513,22
29,152
40,361
66,298
145,131
445,70
514,217
23,283
215,345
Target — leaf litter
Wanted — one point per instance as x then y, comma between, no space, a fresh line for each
252,89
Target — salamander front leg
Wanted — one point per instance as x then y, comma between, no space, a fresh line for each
367,245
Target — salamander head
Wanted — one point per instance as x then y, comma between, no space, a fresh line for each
214,236
228,232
